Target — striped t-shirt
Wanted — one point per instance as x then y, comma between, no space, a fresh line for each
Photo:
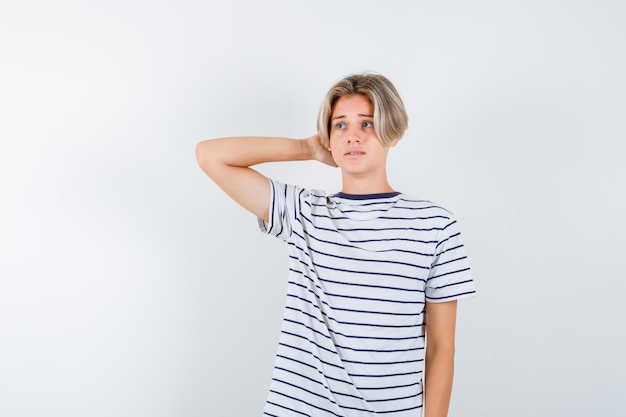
361,268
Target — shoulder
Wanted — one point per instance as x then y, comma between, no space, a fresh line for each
291,192
426,207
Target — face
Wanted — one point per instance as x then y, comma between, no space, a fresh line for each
353,140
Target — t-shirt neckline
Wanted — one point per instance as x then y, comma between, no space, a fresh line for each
366,196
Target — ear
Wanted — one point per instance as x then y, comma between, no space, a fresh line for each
393,143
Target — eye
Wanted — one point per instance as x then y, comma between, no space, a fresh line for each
340,125
368,124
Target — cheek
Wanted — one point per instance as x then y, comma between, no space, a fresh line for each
332,140
335,139
334,150
336,135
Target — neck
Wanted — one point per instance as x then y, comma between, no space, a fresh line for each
356,185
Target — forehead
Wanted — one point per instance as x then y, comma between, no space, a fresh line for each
356,103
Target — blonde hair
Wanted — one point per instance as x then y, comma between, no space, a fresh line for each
390,118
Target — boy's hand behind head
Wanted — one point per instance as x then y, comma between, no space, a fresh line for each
319,152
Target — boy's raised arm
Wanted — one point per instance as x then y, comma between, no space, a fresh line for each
227,162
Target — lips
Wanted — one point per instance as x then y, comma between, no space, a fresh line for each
354,153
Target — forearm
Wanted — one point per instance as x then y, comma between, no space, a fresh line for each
249,151
227,162
439,373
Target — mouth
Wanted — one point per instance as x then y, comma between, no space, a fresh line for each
354,153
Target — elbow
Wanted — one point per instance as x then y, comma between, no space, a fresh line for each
201,151
445,351
205,156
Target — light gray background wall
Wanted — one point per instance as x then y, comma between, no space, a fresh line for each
130,286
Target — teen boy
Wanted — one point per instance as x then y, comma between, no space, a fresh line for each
372,272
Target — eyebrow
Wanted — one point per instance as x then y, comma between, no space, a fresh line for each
360,115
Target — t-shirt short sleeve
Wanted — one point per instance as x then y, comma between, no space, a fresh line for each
449,277
284,205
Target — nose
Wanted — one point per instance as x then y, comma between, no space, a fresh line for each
354,135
